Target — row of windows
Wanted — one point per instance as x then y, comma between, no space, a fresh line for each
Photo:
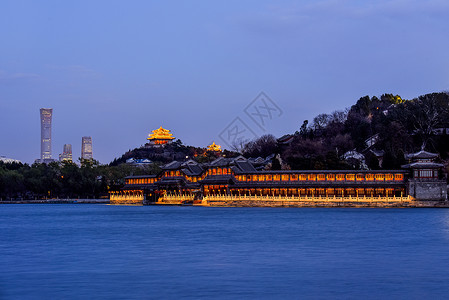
141,181
218,171
168,174
426,173
322,177
220,189
284,177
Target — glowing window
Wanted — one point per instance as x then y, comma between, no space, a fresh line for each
380,177
398,177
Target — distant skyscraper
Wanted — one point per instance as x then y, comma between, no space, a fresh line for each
66,154
86,147
46,114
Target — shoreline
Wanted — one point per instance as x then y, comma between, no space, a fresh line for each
57,201
250,203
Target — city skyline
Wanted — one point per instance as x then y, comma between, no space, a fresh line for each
46,115
115,71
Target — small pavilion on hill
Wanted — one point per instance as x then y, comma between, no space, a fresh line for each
160,137
214,147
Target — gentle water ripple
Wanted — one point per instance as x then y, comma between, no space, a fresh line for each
116,252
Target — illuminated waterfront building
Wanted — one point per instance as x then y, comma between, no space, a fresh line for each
86,147
66,154
159,137
228,179
46,117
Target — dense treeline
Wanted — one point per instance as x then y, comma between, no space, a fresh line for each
394,126
64,180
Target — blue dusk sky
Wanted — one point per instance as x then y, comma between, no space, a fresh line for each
115,70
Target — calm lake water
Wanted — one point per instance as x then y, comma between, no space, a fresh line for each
116,252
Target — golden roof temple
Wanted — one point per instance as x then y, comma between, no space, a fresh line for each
214,147
160,137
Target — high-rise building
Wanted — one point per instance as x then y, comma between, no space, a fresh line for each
46,115
86,147
66,154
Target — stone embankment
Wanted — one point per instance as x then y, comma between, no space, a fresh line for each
56,201
255,201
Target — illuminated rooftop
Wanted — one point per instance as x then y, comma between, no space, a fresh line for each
214,147
160,134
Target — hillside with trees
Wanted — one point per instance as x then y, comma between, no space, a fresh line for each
388,125
170,152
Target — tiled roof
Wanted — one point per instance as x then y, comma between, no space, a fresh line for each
140,176
174,165
245,166
423,165
172,180
422,154
221,162
218,179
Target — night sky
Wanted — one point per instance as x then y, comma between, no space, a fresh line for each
115,70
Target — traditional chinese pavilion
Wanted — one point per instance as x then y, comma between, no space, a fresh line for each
426,181
160,137
214,147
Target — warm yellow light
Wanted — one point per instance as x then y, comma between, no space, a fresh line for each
214,147
160,134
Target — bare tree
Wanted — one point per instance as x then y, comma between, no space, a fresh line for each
339,116
429,112
321,121
262,146
239,144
